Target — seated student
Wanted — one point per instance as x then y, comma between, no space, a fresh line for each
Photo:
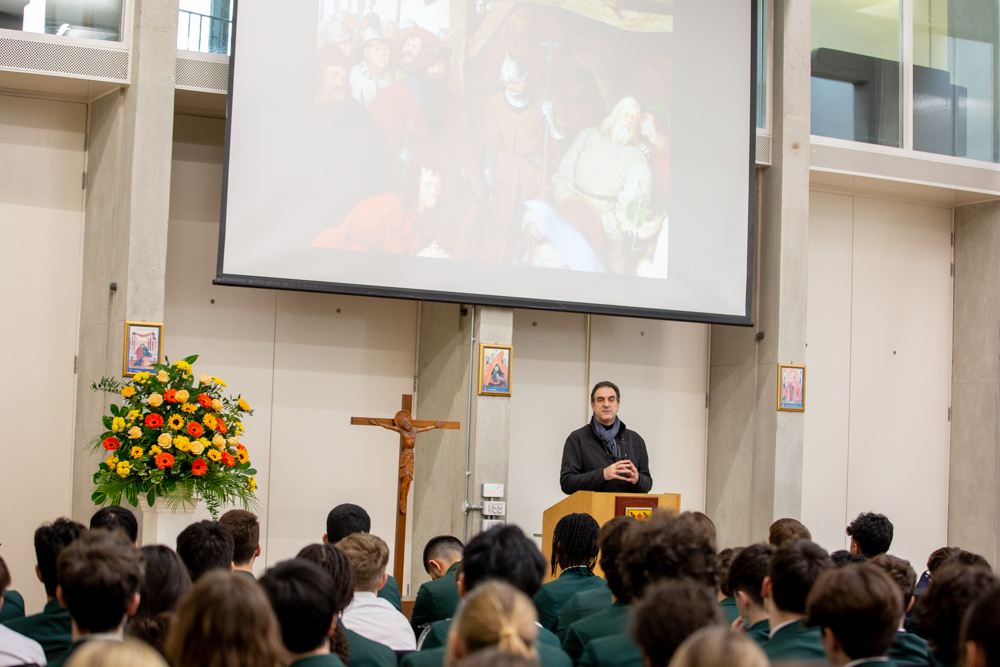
99,578
588,603
52,628
937,558
205,546
871,534
907,648
574,551
226,619
954,588
302,597
127,653
13,606
369,615
164,583
980,637
791,573
662,548
348,519
438,598
349,646
505,554
844,557
746,578
670,612
968,559
787,530
494,615
722,592
15,648
713,647
245,529
115,517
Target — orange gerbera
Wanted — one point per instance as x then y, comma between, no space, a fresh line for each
220,426
170,395
199,467
154,420
195,429
228,459
164,460
205,400
111,443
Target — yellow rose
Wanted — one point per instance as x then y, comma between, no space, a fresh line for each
214,454
216,404
204,379
163,376
233,442
183,396
182,443
219,382
244,405
123,469
117,424
197,447
135,432
154,450
133,415
137,452
112,462
218,441
189,408
128,391
155,400
164,440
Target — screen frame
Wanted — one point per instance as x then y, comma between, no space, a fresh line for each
261,282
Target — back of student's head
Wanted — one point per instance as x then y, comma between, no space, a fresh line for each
497,615
115,517
872,533
245,529
165,582
346,519
982,628
967,558
574,542
723,560
128,653
951,592
610,542
861,605
494,657
99,576
301,594
670,612
442,547
843,557
717,647
793,569
667,546
50,539
204,546
704,520
787,530
226,620
338,567
504,553
747,571
938,557
901,572
369,555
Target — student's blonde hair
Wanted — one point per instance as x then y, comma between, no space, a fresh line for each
713,646
128,653
497,615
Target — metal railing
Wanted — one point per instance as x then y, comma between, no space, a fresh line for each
204,33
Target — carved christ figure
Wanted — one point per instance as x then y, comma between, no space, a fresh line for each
401,424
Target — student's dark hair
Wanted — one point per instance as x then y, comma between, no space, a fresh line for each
4,576
610,542
872,533
99,574
787,530
939,556
968,558
347,519
494,657
574,542
725,559
338,566
245,529
953,589
901,572
165,582
982,625
440,547
115,517
203,546
606,383
50,539
704,520
666,546
301,594
793,569
843,557
669,613
504,553
861,605
748,569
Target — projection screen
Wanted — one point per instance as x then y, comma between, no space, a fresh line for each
581,155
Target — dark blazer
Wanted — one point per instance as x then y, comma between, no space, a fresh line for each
436,601
584,460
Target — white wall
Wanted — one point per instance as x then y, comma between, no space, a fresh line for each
41,224
879,369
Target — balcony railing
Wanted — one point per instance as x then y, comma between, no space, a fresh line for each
204,33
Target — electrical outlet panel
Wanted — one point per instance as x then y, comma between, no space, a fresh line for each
494,508
490,523
492,490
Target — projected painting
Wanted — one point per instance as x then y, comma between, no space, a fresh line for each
501,132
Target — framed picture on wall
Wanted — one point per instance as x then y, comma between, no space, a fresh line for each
494,370
791,388
143,347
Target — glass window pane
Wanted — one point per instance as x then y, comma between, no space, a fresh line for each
955,47
762,52
856,78
91,19
205,25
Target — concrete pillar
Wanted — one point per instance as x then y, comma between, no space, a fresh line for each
125,229
974,489
755,452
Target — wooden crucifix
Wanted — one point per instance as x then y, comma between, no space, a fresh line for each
408,428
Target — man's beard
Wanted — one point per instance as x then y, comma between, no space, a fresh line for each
623,133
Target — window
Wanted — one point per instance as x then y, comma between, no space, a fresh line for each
205,25
90,19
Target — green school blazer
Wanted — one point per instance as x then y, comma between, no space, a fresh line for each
548,656
795,642
390,593
437,636
612,621
436,601
583,605
728,606
52,629
910,649
760,632
13,606
553,596
368,653
613,651
328,660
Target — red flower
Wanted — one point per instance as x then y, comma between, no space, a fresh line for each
195,429
164,460
228,459
220,426
199,467
170,395
239,447
111,443
205,400
154,420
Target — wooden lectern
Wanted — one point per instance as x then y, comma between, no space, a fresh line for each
603,507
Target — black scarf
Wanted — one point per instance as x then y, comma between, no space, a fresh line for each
607,435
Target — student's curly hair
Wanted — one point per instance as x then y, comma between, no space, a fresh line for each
952,591
338,566
667,546
574,542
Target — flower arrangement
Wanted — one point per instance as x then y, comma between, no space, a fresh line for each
173,438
